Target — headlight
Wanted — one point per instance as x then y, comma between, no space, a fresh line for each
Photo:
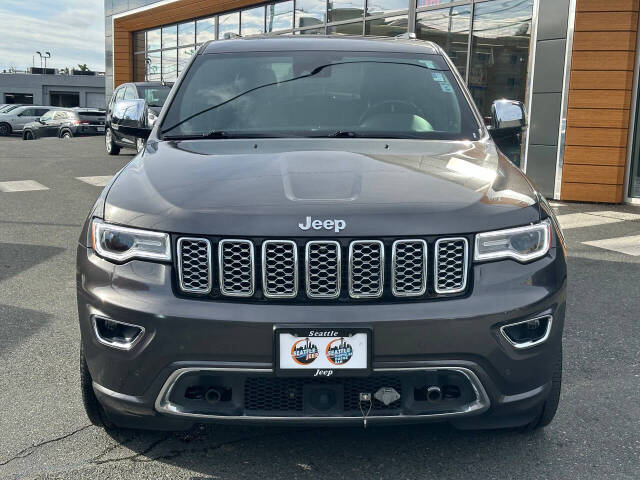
522,244
151,117
121,243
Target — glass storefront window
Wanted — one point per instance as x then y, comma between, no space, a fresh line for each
387,27
187,33
345,10
312,31
346,29
170,36
206,30
139,67
153,62
379,7
634,173
431,3
500,51
310,12
449,28
229,23
169,65
280,16
252,21
139,41
153,39
184,55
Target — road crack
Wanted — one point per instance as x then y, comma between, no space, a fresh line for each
30,450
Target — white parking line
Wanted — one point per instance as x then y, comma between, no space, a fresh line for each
21,186
579,220
557,204
626,245
617,215
98,181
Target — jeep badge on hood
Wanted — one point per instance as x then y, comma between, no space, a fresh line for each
335,225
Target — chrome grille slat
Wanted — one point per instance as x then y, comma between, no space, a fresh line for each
236,267
409,268
366,269
450,266
323,269
194,265
280,269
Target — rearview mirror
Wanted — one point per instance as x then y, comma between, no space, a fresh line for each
508,114
130,118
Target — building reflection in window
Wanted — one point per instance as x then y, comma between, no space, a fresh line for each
449,28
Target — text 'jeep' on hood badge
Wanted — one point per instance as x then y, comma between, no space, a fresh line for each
336,225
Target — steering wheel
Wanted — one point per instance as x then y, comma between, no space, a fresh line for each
405,103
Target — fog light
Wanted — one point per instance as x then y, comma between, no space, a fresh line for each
116,334
528,333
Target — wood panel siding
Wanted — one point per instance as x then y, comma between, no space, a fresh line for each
604,118
600,92
596,156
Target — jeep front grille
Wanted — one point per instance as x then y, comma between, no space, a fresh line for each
318,275
451,265
280,269
409,268
194,265
236,267
323,267
366,269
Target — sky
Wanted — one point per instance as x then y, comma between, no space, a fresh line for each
72,30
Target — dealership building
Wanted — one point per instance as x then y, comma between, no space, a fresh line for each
572,62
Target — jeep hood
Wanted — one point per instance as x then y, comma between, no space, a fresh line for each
267,187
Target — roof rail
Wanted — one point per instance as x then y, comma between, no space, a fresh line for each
406,36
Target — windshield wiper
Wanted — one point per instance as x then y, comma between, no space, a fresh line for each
220,134
312,73
198,136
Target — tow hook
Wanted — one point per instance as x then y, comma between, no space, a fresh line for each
365,405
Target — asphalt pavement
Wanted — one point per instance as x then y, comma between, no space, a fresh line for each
47,187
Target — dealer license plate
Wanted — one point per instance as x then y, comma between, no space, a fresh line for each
100,129
322,352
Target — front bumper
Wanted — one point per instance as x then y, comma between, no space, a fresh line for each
236,339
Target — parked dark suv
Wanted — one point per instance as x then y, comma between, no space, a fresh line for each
153,93
320,231
66,123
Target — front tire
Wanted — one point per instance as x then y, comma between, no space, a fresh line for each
112,148
550,407
66,134
5,129
27,135
92,407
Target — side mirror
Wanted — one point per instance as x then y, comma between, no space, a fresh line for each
508,115
130,118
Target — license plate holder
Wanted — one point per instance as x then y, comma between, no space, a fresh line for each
322,351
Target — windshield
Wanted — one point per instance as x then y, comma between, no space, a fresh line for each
154,96
8,108
319,93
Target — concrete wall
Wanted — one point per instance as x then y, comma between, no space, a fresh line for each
41,86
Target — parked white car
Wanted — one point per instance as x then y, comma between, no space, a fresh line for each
15,120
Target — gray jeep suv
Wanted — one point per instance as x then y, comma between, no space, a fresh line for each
320,231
